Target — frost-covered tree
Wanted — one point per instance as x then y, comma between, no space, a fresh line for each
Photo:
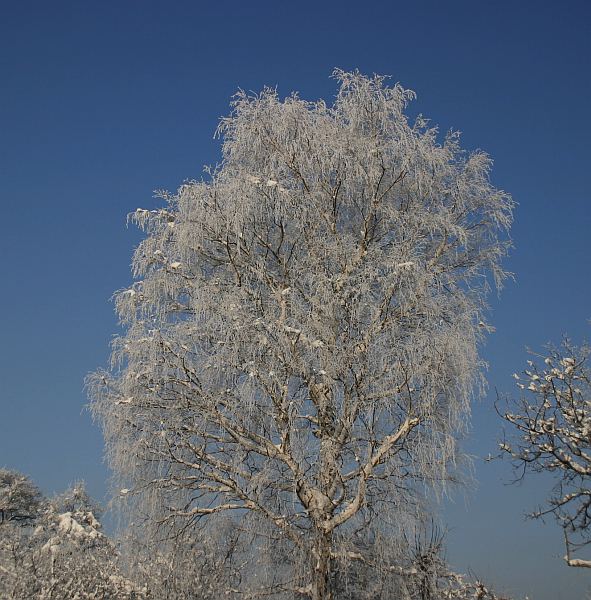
19,497
301,341
60,552
551,433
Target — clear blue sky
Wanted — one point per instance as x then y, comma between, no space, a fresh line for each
103,102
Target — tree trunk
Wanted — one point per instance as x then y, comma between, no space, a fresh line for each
321,567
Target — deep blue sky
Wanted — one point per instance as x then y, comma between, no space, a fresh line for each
103,102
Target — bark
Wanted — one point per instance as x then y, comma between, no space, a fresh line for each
321,566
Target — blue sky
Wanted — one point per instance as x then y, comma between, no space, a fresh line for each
102,103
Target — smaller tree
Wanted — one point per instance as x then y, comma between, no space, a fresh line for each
20,498
551,433
430,577
54,548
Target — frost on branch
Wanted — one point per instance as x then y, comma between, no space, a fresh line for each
551,432
300,349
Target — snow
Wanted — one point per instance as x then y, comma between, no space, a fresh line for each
405,265
67,524
292,329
